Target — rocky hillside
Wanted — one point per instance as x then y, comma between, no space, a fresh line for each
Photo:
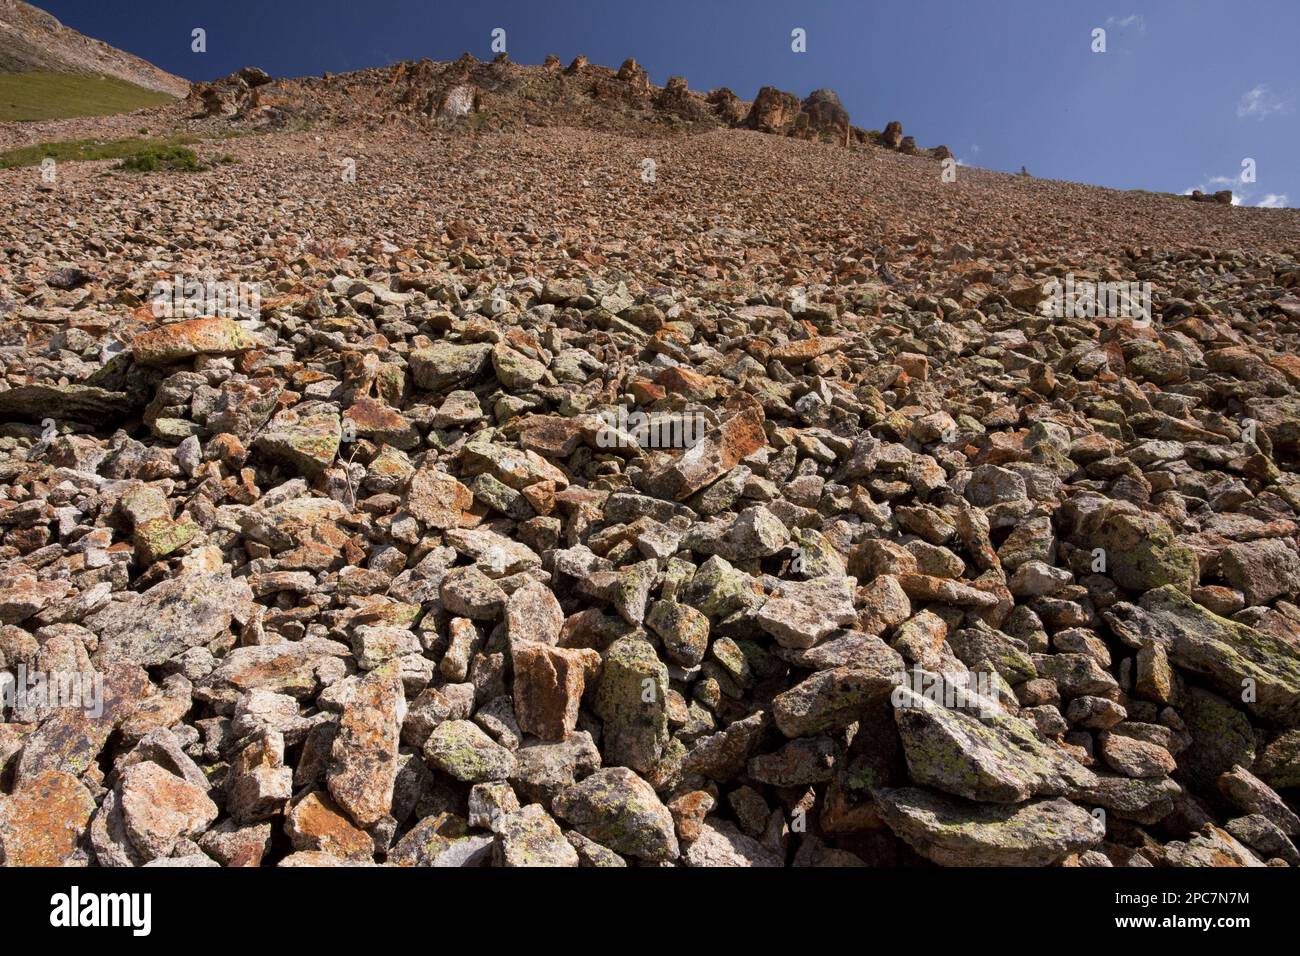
502,95
33,41
503,500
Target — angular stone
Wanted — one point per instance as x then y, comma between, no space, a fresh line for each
470,593
436,499
1262,570
84,403
1235,657
515,370
445,364
258,784
712,457
1254,796
683,630
370,418
724,755
954,832
882,604
490,803
305,437
170,618
159,809
293,668
43,821
801,613
1135,758
925,587
1264,837
181,340
461,749
800,763
632,700
426,842
495,554
363,766
529,838
548,686
834,698
618,809
720,844
988,758
316,824
1142,551
1210,847
1146,801
544,768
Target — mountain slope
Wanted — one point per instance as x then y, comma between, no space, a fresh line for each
32,41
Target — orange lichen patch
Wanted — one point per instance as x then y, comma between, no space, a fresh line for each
802,350
181,340
42,822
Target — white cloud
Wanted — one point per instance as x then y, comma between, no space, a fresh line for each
1243,194
974,148
1133,20
1259,103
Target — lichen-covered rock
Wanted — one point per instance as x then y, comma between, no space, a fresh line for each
181,340
530,837
461,749
315,823
952,832
632,700
363,765
988,757
1254,666
618,809
305,437
1141,550
1262,570
169,618
159,809
42,823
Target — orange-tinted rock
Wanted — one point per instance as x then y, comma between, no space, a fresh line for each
316,823
437,499
42,822
711,457
802,350
182,340
548,687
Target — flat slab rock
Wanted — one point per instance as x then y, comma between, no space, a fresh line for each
954,832
169,618
993,758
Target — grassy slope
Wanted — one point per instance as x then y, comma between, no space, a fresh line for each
88,149
39,96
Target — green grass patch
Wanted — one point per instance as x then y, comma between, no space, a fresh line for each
74,150
175,157
43,96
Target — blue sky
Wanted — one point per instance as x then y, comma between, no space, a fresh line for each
1185,92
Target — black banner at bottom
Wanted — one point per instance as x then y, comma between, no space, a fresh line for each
167,905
